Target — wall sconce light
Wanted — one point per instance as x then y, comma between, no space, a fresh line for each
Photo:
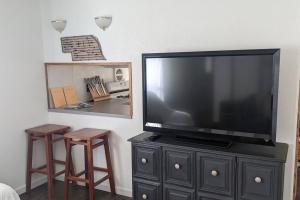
103,22
59,25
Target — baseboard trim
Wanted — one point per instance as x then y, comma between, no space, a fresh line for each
35,183
105,187
119,190
40,181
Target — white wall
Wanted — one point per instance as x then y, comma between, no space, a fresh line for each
171,25
23,102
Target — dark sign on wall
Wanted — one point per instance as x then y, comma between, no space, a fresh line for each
86,47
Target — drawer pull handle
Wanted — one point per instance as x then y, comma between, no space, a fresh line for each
144,160
258,180
144,196
214,173
177,166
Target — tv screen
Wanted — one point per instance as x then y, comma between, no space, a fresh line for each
231,93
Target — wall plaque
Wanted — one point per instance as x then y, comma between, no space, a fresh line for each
85,47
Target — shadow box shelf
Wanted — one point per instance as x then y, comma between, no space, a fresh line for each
90,88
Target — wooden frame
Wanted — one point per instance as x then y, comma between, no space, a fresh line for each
104,64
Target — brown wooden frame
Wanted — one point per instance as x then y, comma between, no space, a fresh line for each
97,64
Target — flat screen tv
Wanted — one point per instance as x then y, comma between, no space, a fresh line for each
222,95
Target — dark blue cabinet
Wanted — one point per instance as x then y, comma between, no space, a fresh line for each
216,174
165,169
178,167
259,179
172,192
147,162
146,190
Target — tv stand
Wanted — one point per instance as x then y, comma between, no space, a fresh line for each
166,168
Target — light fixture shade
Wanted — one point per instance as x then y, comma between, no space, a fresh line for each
103,22
59,25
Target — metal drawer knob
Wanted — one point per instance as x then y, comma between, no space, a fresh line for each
144,160
258,180
177,166
144,196
214,173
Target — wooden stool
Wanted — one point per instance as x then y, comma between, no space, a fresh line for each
86,137
45,133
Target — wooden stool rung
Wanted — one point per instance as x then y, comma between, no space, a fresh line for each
78,142
41,171
98,144
80,173
101,180
41,167
100,169
59,162
74,178
59,173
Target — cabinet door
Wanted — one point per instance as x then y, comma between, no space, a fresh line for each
146,190
216,174
210,196
147,162
178,193
259,180
179,167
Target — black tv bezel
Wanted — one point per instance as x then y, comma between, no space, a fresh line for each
265,139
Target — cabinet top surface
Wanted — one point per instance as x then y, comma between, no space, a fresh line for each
277,153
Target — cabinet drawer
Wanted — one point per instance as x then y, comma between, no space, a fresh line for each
258,180
147,162
200,197
178,193
210,196
179,167
215,174
146,190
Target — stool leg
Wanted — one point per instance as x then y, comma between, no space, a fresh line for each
109,166
49,158
90,169
52,164
86,164
72,168
29,163
67,169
